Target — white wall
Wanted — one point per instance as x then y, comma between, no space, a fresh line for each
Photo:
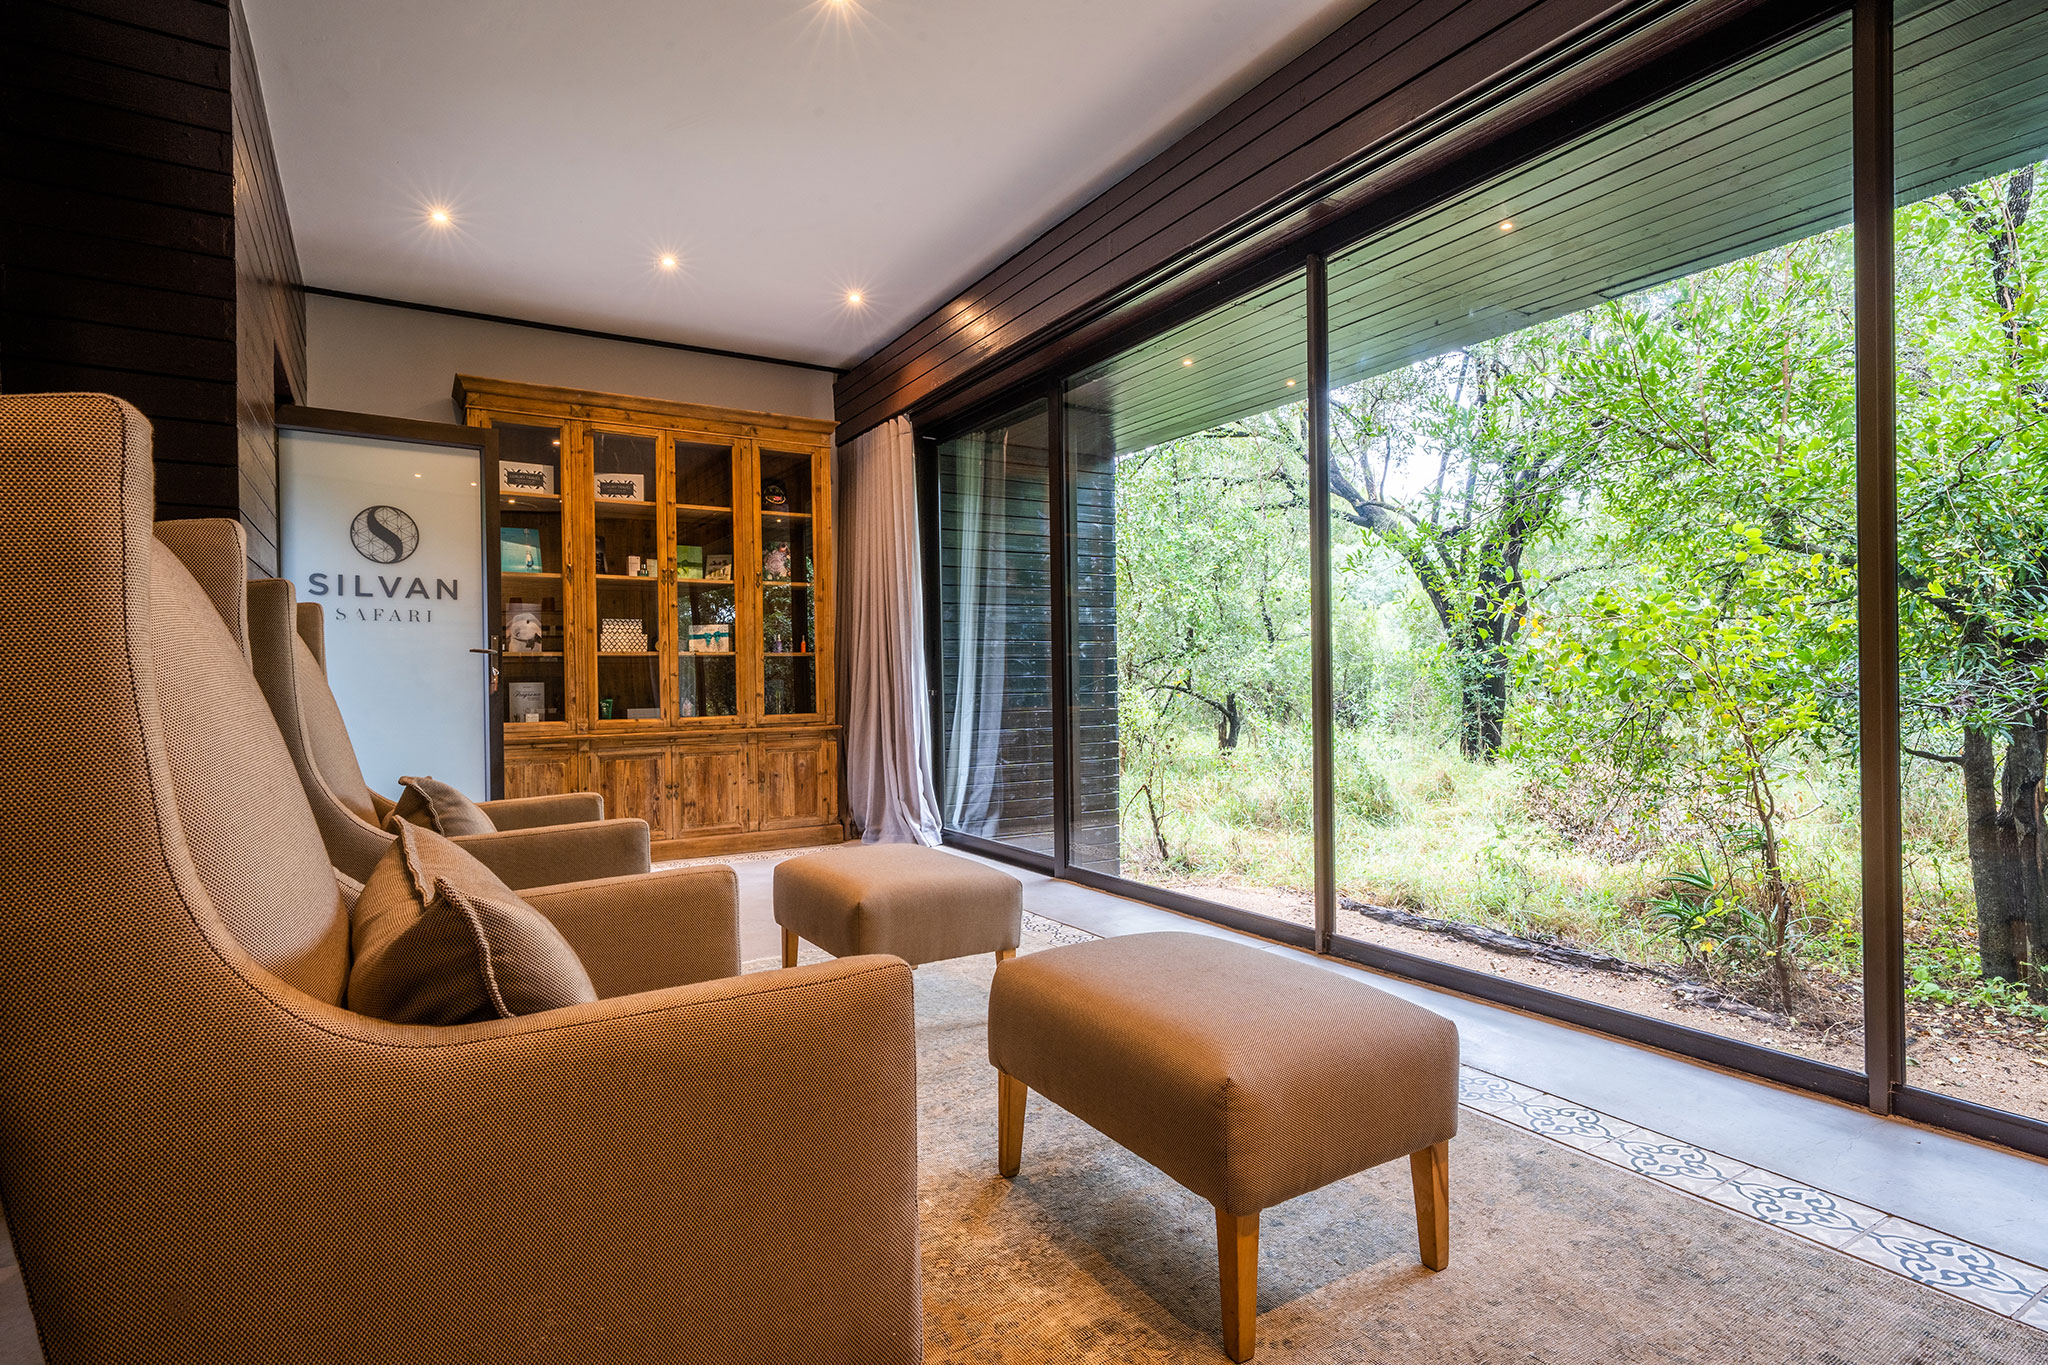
401,362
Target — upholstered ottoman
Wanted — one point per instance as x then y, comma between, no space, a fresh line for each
918,903
1247,1076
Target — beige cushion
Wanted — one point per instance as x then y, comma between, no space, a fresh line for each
439,807
1248,1076
439,940
918,903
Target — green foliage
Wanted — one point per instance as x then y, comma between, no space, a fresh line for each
1623,544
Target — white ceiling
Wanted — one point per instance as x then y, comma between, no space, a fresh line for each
787,151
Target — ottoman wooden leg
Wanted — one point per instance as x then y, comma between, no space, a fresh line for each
1431,1168
1010,1096
1004,955
788,948
1237,1256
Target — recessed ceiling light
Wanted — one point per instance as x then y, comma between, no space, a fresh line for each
1187,360
1290,383
669,262
1507,225
439,216
853,298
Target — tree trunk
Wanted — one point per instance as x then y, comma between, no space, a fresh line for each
1230,724
1480,663
2006,855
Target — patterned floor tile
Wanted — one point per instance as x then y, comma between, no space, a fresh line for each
2036,1313
1672,1162
1969,1272
1795,1208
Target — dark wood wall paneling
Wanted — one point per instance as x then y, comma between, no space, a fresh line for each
1362,123
270,310
117,229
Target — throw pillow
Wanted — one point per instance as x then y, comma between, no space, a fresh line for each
438,939
438,807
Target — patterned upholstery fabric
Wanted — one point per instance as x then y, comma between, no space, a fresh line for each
216,550
252,839
203,1161
438,940
918,903
1247,1077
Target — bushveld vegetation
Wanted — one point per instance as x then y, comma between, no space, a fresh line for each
1595,625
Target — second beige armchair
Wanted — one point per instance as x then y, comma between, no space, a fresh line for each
540,841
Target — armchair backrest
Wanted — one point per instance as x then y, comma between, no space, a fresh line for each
294,684
169,922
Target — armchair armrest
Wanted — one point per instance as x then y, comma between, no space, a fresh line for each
649,932
528,812
717,1174
554,854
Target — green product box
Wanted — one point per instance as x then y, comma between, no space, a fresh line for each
689,561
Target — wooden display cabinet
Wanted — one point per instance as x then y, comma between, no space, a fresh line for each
665,612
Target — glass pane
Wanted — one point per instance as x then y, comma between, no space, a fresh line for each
1190,609
706,610
529,623
1593,543
1973,510
995,632
789,637
628,577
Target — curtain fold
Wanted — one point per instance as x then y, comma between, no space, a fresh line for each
888,734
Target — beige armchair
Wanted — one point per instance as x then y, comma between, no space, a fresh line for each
540,840
205,1156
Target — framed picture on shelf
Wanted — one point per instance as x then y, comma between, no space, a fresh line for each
519,550
621,487
718,567
517,476
528,702
523,629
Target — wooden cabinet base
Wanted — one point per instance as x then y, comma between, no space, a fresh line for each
745,791
754,841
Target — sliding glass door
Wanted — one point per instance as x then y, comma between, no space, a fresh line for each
1971,254
995,716
1681,664
1190,609
1593,529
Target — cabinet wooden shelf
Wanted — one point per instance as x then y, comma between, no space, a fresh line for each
743,749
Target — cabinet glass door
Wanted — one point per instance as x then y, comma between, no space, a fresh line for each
707,621
789,639
529,619
627,577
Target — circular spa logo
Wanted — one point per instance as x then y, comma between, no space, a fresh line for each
384,534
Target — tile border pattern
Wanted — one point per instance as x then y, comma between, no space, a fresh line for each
2008,1287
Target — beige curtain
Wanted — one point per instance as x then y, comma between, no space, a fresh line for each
888,732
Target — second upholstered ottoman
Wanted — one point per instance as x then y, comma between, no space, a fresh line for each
918,903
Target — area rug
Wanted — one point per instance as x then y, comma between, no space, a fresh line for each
1093,1255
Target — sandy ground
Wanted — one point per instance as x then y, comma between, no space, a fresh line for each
1955,1050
